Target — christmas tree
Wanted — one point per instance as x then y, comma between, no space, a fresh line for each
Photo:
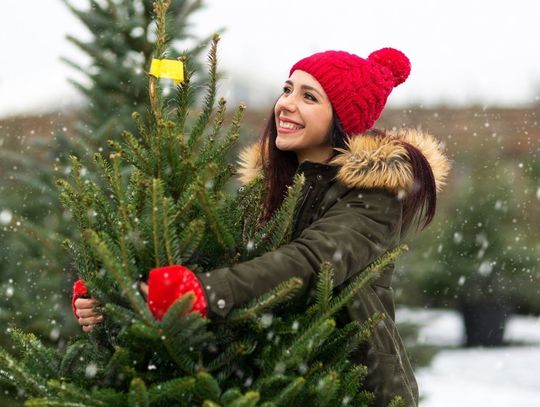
162,202
33,222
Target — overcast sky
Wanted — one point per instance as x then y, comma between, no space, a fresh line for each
462,51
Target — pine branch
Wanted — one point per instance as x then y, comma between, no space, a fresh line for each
142,128
19,376
397,402
250,399
278,295
351,383
160,10
67,391
72,356
209,100
135,153
223,236
249,204
306,344
325,286
206,387
138,395
169,235
125,223
188,199
189,241
212,152
44,361
137,190
278,229
156,233
185,97
145,332
46,402
181,331
128,287
368,275
172,390
326,389
287,395
233,351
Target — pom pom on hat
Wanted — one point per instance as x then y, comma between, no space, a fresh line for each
395,61
356,87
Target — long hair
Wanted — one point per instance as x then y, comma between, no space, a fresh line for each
421,202
280,167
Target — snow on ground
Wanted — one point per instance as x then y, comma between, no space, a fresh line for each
497,377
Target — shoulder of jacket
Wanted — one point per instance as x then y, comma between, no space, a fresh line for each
378,161
382,161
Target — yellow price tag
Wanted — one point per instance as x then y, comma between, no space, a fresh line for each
167,68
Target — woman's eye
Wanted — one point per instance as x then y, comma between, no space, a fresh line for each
310,97
286,89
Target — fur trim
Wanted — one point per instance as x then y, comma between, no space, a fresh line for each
371,161
250,163
383,162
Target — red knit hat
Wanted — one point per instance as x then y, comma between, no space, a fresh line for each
357,87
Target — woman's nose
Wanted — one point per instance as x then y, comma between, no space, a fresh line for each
288,103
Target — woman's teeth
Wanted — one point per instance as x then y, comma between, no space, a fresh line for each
288,125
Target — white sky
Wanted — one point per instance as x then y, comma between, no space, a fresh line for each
462,51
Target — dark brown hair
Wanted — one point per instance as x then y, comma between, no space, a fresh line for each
421,202
280,167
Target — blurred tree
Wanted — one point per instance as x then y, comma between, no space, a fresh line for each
120,49
34,268
481,257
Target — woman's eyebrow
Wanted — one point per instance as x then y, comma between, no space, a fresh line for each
305,87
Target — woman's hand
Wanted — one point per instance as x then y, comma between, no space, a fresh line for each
87,315
144,289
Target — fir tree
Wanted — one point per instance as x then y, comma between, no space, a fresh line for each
36,278
120,49
32,261
161,202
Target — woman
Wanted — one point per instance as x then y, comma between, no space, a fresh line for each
363,190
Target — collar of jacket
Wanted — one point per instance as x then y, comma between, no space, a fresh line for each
370,161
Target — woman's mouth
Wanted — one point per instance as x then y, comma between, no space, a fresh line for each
289,125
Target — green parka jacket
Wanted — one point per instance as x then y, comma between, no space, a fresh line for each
350,214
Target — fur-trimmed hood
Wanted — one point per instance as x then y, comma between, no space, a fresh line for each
371,161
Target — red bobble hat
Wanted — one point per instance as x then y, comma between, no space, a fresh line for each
357,87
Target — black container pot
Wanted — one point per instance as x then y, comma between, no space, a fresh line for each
485,323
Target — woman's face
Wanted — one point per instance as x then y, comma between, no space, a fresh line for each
304,118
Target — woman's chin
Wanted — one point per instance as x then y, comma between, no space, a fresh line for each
284,145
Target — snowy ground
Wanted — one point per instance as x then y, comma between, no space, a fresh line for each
496,377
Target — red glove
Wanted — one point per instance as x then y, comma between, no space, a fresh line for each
167,284
79,290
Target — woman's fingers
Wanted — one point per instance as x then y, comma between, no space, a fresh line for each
87,312
88,316
144,289
82,303
84,321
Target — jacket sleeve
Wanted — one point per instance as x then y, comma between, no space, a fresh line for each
351,234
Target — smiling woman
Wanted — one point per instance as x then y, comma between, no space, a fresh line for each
363,188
